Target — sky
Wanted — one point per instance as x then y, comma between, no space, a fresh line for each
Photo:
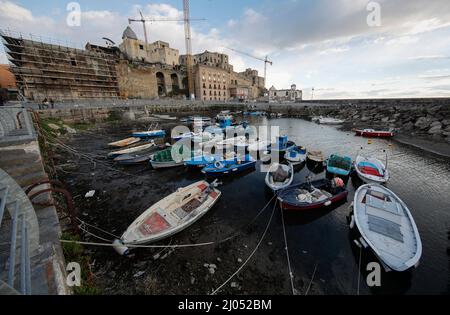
339,48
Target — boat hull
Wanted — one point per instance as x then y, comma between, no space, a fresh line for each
372,179
171,215
396,242
287,203
374,134
235,169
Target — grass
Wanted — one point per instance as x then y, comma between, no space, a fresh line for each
74,252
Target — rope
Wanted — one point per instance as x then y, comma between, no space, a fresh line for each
359,270
291,275
91,234
312,278
108,244
251,255
97,228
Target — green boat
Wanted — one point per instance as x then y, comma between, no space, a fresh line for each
339,165
164,159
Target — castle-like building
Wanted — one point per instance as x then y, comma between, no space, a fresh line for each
134,69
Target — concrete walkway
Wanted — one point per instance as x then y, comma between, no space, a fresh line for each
21,165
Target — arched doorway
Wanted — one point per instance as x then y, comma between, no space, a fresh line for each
185,84
175,84
161,83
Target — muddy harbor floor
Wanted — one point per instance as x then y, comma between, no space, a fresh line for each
318,241
123,193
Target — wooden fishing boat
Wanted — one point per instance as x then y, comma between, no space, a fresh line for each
371,133
279,176
315,156
330,121
312,195
228,167
282,145
141,148
170,216
338,165
296,155
201,161
150,134
386,227
124,143
165,158
138,158
371,170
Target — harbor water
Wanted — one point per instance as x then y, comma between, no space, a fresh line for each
322,254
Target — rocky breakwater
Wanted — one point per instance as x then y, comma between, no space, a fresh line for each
424,121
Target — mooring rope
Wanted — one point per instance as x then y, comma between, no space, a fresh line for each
109,242
251,255
97,228
312,278
291,275
359,269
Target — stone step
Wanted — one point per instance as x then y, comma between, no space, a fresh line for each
22,169
31,178
10,158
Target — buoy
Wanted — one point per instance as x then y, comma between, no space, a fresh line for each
352,222
120,248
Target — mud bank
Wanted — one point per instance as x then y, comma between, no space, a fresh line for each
122,194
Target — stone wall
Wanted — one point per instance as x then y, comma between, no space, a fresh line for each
136,82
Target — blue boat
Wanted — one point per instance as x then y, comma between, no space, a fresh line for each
338,165
201,161
282,145
149,134
228,167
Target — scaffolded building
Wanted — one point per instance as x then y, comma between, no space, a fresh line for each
52,71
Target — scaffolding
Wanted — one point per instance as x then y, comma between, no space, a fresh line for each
54,71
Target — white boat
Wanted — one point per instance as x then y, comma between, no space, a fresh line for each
230,142
259,146
144,147
371,170
170,216
165,117
316,118
330,121
124,143
387,227
279,176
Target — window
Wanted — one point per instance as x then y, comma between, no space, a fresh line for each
141,47
73,61
210,86
215,88
210,93
204,92
219,94
287,93
219,87
204,85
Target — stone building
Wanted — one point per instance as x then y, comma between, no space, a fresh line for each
292,95
211,59
61,73
211,83
157,52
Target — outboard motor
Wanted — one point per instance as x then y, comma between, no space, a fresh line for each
120,248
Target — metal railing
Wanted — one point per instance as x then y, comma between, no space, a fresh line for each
18,225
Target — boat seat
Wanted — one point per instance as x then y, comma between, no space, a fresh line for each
389,206
385,227
382,214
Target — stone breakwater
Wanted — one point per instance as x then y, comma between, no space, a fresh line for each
417,120
425,118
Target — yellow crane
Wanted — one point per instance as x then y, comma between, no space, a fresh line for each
265,60
188,38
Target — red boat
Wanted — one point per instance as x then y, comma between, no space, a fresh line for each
314,195
374,133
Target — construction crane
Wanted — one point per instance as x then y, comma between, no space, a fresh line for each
145,21
187,29
187,33
265,60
